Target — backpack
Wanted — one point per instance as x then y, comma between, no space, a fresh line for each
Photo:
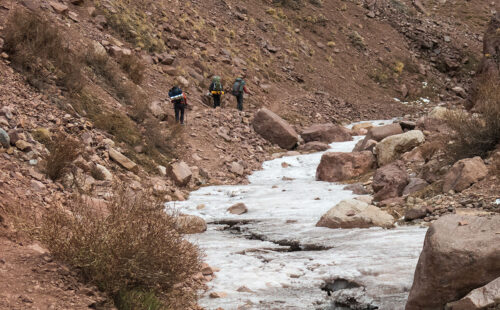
238,86
217,83
175,94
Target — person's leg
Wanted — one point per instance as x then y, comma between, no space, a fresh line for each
182,115
177,110
239,98
216,101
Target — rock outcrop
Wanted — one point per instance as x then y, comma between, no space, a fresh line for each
391,148
390,181
275,129
460,253
355,214
335,166
326,133
464,173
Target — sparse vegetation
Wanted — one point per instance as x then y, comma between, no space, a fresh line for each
132,24
129,247
357,40
133,67
477,134
63,150
36,48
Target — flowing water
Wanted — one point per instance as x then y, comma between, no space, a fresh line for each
274,257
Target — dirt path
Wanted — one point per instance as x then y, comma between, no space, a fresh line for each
30,279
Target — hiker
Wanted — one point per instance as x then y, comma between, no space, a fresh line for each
239,89
216,90
179,99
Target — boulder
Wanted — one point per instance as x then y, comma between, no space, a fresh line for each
336,166
180,173
415,213
326,133
415,185
359,129
275,129
357,189
314,146
355,214
391,148
480,298
4,139
390,181
237,168
438,113
59,7
378,134
191,224
122,160
104,172
460,253
464,173
238,209
365,145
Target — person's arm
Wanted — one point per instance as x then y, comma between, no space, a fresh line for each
185,98
246,90
211,88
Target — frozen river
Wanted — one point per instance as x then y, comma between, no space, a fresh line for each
274,257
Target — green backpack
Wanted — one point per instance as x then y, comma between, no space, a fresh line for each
238,86
217,83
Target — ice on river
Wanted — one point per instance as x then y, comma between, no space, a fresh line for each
278,253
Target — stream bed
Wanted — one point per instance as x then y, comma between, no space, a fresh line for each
274,257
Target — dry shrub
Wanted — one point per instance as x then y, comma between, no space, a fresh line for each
131,250
36,47
63,150
133,67
477,134
119,125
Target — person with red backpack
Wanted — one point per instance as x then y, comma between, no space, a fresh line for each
179,99
239,88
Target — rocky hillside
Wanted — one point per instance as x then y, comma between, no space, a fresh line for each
84,85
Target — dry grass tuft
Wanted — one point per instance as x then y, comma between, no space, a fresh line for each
129,248
477,134
133,67
63,150
36,48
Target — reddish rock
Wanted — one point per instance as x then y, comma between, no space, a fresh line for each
455,260
357,189
326,133
365,145
238,209
480,298
414,186
275,129
464,173
335,166
390,181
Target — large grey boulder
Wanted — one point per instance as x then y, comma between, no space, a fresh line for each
355,214
275,129
391,148
326,133
460,253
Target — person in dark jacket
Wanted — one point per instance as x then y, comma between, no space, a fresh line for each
179,99
216,89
